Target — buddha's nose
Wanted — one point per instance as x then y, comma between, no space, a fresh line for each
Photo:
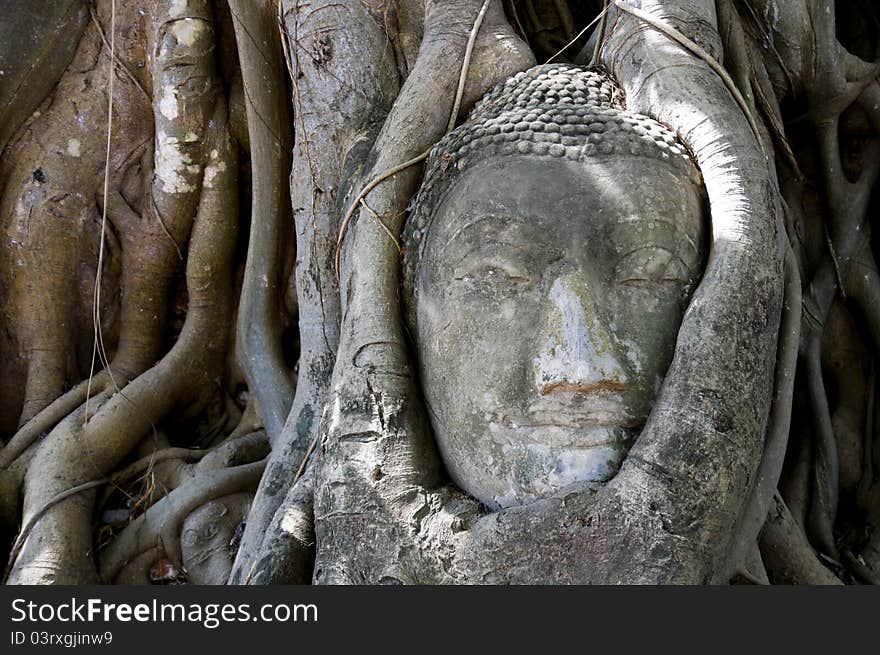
576,351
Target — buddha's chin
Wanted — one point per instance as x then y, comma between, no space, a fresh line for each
530,463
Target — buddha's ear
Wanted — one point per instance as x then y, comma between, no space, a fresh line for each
707,431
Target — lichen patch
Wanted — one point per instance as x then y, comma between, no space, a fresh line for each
168,104
172,164
187,31
212,170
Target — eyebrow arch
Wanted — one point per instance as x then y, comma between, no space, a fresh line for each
479,246
653,246
482,218
676,228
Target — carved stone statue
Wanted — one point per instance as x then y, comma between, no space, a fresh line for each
558,353
552,252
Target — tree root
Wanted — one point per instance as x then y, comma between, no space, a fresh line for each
287,555
37,515
49,417
191,370
787,553
754,514
160,525
209,536
258,340
349,58
358,85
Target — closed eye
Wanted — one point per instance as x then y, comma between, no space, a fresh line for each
651,266
650,281
492,273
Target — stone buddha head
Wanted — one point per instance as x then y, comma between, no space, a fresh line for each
549,259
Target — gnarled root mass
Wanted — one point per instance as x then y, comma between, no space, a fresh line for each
187,395
174,205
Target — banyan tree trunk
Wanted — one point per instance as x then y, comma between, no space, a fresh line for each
205,372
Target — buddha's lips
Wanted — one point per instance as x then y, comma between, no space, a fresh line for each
593,410
582,422
601,413
602,385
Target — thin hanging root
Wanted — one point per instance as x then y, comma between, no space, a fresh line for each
113,55
601,17
160,525
302,467
98,346
379,220
372,184
600,37
763,91
190,462
465,66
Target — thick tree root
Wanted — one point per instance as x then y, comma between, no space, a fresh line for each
48,418
287,555
260,323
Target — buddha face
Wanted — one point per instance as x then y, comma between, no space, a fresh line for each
547,304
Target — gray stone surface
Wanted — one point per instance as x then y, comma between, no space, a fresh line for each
546,285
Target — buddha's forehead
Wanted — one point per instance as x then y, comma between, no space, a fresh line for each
538,198
524,151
